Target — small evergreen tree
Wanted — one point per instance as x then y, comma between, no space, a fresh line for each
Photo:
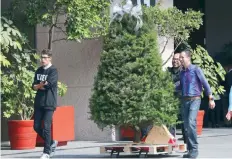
130,87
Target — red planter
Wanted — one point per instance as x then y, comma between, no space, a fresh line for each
62,128
21,134
200,118
127,133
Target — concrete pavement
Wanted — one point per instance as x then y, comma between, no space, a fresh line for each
213,143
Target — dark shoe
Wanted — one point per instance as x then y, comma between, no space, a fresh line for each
193,154
189,156
213,126
217,126
186,156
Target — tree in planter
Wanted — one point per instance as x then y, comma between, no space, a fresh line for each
83,19
19,65
130,88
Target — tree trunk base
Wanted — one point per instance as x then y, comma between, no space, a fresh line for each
137,135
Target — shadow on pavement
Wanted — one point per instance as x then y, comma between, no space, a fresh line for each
105,156
33,151
204,136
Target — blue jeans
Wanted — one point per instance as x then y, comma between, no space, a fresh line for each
189,112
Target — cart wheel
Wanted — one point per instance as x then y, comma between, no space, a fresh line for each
146,155
143,156
117,156
111,154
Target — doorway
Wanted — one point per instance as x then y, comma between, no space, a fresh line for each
197,36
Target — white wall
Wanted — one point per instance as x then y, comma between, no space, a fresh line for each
162,40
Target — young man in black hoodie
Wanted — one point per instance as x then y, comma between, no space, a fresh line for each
45,83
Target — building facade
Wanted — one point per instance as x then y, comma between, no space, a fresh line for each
77,62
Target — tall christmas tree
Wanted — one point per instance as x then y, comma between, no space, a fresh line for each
130,88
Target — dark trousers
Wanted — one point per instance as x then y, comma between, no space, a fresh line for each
225,104
215,113
45,131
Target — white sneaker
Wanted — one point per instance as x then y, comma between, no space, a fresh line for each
53,148
45,156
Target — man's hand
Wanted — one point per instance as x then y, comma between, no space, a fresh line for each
229,115
36,87
40,86
211,104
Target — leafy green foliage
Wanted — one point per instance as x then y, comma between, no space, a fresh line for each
9,38
130,87
83,19
18,74
213,71
17,94
172,23
62,89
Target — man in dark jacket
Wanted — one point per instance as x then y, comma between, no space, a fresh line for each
45,83
175,72
227,84
228,79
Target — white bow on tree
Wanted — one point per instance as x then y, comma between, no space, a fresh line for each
117,11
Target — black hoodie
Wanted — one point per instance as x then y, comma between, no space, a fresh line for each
46,98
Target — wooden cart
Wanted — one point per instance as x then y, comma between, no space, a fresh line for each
158,141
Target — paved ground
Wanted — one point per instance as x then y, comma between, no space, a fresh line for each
213,143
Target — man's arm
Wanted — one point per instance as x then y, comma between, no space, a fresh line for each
206,86
229,114
230,99
35,85
52,80
204,82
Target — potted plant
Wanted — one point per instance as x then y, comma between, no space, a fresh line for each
18,67
76,20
